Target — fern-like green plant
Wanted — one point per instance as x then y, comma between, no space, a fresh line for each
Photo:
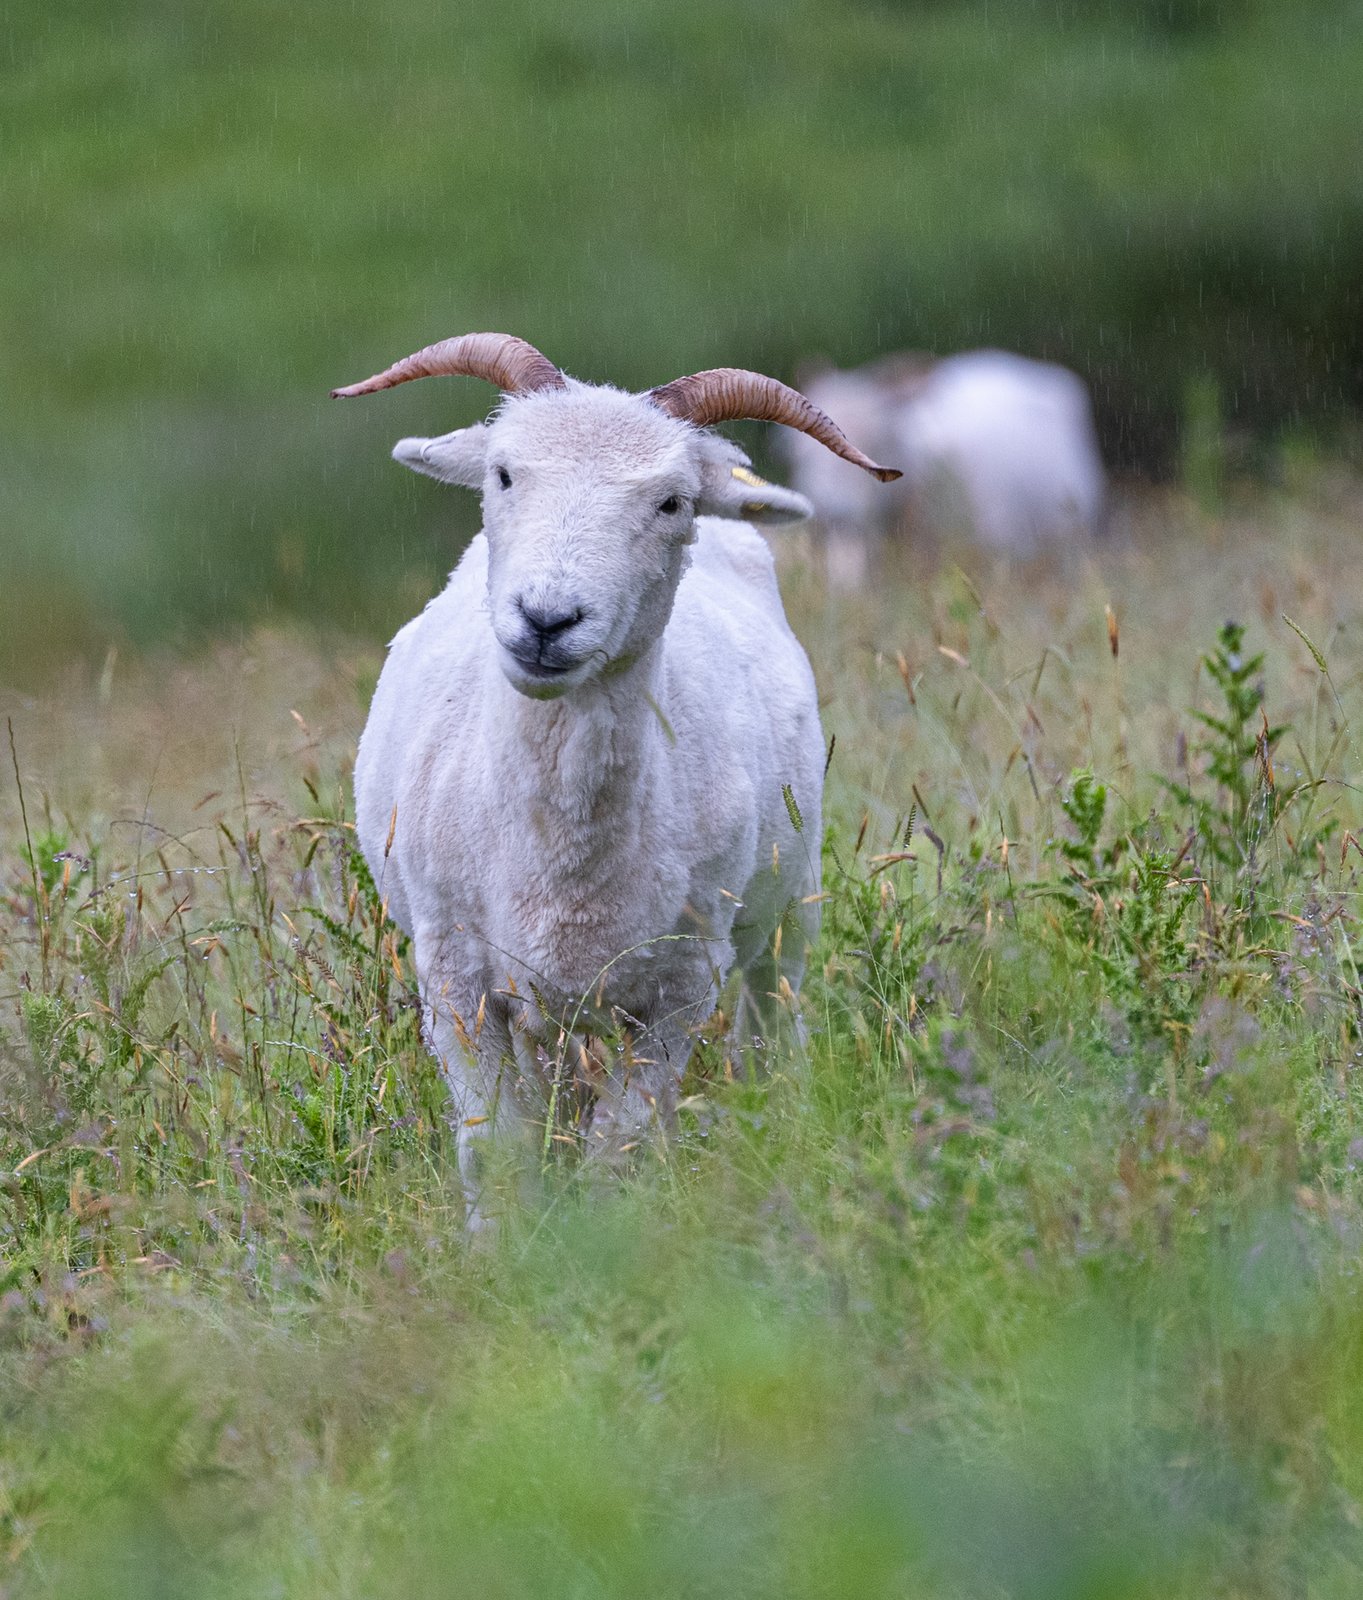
1129,903
1238,751
1238,812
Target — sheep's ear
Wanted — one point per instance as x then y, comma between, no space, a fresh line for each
730,488
453,458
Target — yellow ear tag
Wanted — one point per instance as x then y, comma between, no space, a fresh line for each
750,478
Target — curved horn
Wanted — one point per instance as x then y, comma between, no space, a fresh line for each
726,394
501,358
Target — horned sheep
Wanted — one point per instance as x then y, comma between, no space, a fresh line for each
590,781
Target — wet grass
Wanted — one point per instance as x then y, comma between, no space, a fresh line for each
1037,1278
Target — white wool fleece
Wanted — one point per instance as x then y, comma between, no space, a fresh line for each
571,788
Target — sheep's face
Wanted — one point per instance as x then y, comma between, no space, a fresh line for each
590,497
589,502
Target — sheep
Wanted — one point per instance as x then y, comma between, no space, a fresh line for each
590,781
853,517
998,448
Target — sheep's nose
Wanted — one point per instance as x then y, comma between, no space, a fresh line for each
549,623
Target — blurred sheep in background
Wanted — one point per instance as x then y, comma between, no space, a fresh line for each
996,448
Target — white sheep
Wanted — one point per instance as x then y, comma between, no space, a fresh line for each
1003,449
590,780
996,448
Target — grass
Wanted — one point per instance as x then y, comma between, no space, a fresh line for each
1037,1278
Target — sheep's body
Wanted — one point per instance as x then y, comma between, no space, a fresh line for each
611,839
571,858
854,512
1003,450
997,448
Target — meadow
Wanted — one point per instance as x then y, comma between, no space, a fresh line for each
1036,1275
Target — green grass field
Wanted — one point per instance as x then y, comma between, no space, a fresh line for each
1038,1277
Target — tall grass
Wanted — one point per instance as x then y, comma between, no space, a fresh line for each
1036,1276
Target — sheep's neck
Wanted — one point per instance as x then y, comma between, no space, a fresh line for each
592,755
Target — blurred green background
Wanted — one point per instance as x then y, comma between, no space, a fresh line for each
215,213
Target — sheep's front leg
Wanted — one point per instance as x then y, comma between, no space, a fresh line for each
767,1014
636,1102
477,1060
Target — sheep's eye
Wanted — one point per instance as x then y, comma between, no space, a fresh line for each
503,477
671,505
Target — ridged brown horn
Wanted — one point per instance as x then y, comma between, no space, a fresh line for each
501,358
726,394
